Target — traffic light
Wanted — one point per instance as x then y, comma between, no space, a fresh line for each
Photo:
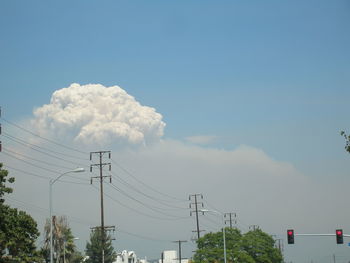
339,235
290,236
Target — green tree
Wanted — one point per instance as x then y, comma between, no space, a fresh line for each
94,248
252,247
347,141
211,246
260,246
18,230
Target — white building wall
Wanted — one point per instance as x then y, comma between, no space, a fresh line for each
128,257
170,256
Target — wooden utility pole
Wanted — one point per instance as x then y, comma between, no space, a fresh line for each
180,242
196,203
101,177
232,218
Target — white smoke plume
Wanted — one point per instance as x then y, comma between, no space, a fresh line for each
95,114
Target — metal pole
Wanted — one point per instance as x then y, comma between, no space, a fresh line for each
223,234
51,247
179,252
223,227
51,182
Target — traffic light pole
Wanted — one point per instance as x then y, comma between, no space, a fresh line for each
338,234
315,235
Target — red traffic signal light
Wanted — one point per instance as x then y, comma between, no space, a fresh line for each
339,236
290,236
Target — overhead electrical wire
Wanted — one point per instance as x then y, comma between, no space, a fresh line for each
34,147
133,209
45,151
53,154
141,182
33,159
40,150
155,209
40,147
41,137
160,201
42,177
31,164
43,168
45,211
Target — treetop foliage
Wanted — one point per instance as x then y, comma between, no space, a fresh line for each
18,230
251,247
94,248
3,180
347,141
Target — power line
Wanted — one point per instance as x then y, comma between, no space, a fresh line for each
144,184
46,149
147,195
40,150
135,210
34,165
18,140
37,166
155,209
40,176
80,220
33,159
41,137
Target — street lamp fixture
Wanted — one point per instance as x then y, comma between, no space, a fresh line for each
223,227
52,181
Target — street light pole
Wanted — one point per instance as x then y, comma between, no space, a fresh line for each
223,228
52,181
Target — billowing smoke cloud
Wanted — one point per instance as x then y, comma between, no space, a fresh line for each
95,114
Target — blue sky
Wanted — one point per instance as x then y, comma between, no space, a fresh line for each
228,68
269,74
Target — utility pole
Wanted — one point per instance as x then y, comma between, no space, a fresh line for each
196,203
179,241
253,227
231,216
101,177
279,244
